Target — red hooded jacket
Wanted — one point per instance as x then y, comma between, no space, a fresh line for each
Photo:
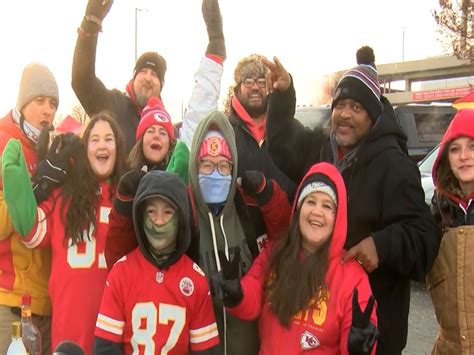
322,328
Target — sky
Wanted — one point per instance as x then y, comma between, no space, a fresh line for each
311,38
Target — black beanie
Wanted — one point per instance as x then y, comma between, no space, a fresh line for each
361,84
153,61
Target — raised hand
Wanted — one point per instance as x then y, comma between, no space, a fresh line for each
126,190
53,170
228,279
213,19
363,333
17,191
277,76
98,8
95,12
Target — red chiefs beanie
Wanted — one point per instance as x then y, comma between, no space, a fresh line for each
155,113
213,145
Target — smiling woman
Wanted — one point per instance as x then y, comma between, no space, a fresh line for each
453,205
298,286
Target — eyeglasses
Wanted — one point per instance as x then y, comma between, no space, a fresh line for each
249,82
207,167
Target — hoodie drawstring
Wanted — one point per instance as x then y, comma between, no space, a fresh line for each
218,262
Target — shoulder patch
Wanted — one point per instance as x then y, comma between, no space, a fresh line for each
198,269
186,285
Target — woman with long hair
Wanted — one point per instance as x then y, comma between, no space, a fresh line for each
451,279
307,299
73,222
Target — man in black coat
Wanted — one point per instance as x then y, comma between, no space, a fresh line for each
391,232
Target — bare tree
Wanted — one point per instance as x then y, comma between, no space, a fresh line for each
80,114
455,19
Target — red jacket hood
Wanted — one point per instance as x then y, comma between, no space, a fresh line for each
462,125
340,224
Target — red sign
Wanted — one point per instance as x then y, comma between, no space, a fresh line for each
440,94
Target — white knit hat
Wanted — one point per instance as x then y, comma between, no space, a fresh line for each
36,80
317,186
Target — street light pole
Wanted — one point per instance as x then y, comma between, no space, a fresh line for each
136,30
403,43
136,27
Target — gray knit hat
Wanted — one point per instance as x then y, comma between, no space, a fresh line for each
36,80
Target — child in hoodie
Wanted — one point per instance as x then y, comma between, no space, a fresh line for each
306,298
156,300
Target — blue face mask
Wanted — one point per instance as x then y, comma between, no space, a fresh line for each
215,187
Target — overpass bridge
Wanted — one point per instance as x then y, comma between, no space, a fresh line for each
443,78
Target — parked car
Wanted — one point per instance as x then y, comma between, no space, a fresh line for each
426,167
314,116
424,126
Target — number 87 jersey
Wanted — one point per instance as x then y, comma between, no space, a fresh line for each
152,311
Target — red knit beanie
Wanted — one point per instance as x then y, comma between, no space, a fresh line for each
155,113
213,145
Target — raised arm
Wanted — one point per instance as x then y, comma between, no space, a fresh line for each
90,91
293,147
207,86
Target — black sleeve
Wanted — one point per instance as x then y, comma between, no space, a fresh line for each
210,351
90,91
293,147
107,347
410,241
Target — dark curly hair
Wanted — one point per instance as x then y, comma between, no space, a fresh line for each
80,191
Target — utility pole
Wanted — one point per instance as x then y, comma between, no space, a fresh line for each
136,30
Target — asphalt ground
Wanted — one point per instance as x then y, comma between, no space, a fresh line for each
422,324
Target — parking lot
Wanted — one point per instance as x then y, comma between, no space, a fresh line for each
423,327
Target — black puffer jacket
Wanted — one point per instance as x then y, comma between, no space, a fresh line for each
385,201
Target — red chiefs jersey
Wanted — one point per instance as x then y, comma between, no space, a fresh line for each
78,272
149,310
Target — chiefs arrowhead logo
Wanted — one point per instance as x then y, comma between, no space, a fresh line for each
308,341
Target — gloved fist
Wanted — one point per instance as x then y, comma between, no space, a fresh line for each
95,12
53,170
228,279
98,8
363,333
256,185
126,190
213,19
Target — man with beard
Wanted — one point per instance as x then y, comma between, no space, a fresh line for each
390,230
247,106
148,74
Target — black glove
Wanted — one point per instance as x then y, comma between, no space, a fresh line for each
126,190
256,185
228,279
213,19
95,12
363,333
53,170
42,144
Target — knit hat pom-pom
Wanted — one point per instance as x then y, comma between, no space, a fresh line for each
365,55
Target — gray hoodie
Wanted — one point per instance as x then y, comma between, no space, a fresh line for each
222,232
